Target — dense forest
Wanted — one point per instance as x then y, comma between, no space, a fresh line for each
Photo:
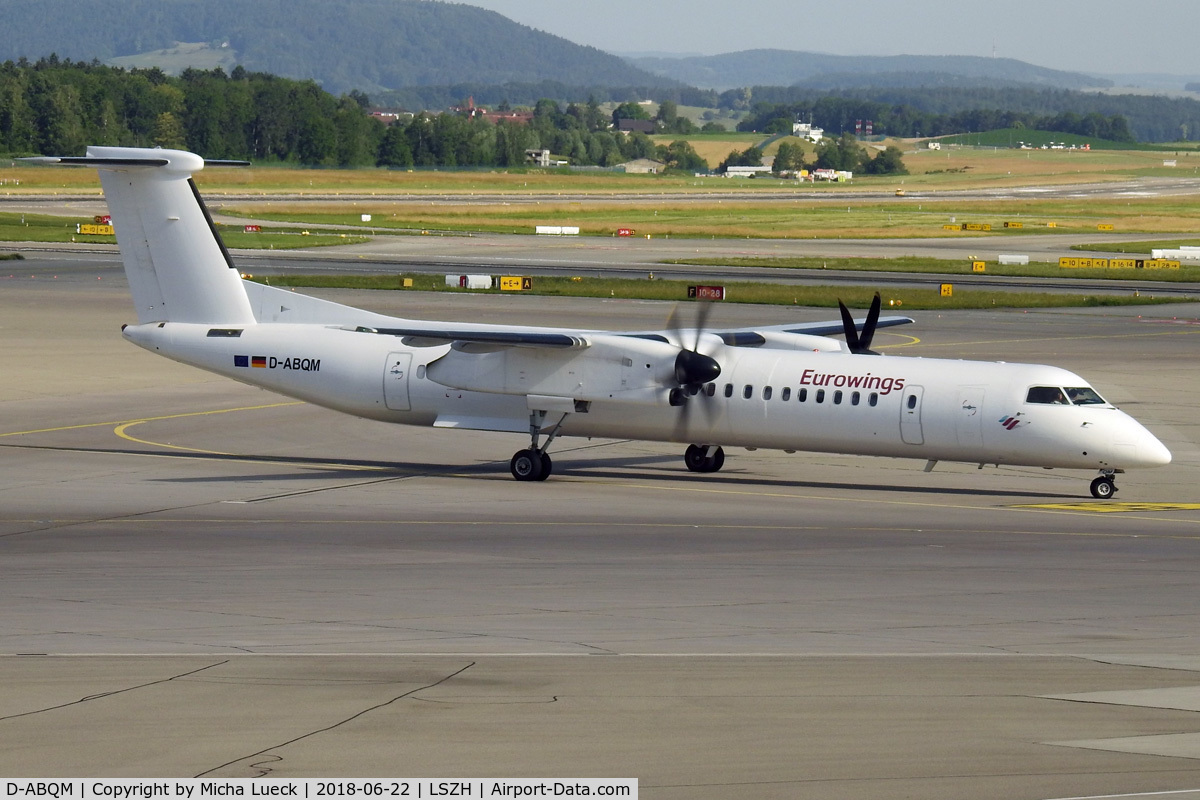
934,112
841,114
900,111
58,107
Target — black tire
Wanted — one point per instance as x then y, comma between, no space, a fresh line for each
714,462
547,467
694,458
526,465
1103,488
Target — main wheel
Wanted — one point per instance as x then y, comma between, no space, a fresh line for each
694,458
547,467
714,462
1103,488
526,465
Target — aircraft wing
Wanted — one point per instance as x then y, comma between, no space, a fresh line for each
502,337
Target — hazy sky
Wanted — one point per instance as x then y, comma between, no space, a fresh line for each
1097,36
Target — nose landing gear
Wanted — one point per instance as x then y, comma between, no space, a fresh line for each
1105,485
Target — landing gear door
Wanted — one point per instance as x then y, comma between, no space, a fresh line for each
395,381
910,415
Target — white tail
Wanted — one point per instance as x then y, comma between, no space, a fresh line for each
177,266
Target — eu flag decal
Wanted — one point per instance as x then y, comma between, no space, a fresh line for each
241,361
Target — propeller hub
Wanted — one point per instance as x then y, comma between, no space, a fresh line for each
695,369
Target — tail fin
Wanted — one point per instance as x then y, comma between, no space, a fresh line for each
177,265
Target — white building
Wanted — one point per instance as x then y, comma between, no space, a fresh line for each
806,131
747,172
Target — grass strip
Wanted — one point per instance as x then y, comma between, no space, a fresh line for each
15,227
894,300
917,265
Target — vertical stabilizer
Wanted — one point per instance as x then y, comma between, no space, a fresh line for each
177,266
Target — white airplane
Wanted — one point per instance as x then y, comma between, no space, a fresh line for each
785,387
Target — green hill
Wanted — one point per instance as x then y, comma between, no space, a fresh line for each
822,70
368,45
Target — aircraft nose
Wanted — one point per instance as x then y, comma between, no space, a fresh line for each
1151,452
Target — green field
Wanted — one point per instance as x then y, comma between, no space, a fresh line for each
1012,137
1140,247
894,301
1185,274
796,217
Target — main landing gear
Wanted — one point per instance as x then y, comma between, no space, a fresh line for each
704,457
534,464
1104,486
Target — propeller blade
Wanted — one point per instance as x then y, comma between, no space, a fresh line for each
701,322
849,328
868,332
861,343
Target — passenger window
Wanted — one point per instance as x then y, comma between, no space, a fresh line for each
873,400
854,398
820,395
787,394
710,389
421,371
912,402
837,397
766,393
1047,395
729,390
748,392
802,395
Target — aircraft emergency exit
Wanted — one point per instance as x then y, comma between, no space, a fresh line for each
784,387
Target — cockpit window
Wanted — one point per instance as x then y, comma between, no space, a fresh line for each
1047,395
1085,396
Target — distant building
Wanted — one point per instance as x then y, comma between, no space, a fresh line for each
642,166
390,116
479,112
747,172
635,126
542,158
835,175
806,131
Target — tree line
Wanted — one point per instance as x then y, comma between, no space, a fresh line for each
836,153
902,111
59,107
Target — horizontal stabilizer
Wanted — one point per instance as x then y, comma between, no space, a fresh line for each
150,161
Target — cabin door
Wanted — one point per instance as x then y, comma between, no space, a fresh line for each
910,415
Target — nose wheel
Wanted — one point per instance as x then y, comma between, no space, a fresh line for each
1104,486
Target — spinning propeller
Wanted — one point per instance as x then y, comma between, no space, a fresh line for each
861,343
693,369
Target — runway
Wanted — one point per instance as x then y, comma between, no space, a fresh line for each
202,579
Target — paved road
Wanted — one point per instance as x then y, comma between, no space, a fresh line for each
225,583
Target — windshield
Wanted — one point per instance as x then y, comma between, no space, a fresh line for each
1085,396
1057,396
1047,395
